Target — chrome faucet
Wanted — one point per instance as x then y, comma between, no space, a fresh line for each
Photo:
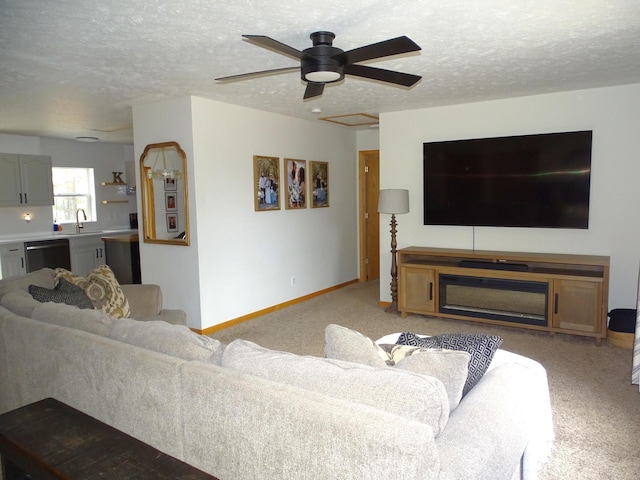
79,225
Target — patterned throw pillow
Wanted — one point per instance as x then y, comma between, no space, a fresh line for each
64,292
102,288
480,347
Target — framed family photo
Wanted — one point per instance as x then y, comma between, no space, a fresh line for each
172,222
171,201
319,180
296,171
266,181
170,184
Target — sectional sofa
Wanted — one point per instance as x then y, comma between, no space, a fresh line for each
245,412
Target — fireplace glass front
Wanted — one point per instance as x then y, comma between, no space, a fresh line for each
496,299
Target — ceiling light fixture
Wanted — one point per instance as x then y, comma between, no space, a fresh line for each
87,139
165,172
323,76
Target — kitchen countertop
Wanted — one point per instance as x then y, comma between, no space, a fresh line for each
127,238
28,237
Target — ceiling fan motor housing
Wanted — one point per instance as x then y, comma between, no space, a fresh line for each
322,63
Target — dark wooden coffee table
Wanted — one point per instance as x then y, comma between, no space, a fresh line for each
50,440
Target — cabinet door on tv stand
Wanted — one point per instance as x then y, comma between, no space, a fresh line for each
577,305
417,290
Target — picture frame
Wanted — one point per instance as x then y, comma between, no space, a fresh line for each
170,185
172,222
171,201
295,172
266,183
319,184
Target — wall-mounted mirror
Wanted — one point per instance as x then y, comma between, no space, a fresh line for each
165,208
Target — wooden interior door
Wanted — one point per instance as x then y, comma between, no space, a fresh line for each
369,219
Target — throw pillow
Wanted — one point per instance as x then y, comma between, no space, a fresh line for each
64,292
410,395
345,344
448,366
480,347
102,288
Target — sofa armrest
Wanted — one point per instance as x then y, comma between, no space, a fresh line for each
144,300
494,422
176,317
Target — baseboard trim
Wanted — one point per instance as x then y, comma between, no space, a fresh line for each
259,313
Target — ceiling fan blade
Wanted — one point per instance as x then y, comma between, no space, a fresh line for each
271,44
313,90
242,76
389,76
394,46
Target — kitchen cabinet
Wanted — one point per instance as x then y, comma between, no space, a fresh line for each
12,259
25,180
87,253
123,257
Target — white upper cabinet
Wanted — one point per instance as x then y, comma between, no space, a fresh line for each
25,180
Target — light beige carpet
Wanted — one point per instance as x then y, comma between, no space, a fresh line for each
596,409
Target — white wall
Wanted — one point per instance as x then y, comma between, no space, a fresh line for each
614,220
103,157
368,139
174,268
242,261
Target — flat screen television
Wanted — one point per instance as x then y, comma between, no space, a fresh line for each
540,181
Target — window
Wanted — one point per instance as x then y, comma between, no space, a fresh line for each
73,188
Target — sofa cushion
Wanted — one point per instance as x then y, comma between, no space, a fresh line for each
92,321
176,340
403,393
448,366
64,292
480,347
19,302
342,343
102,288
42,278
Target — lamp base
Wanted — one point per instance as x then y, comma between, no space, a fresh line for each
393,308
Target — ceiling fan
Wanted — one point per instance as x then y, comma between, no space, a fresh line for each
323,63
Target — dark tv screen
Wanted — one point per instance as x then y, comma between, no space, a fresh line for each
538,181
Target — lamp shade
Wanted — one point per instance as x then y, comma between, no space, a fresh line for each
393,201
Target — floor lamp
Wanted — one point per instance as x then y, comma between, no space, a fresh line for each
393,201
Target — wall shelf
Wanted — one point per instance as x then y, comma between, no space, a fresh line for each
122,190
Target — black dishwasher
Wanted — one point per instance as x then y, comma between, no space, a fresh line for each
47,253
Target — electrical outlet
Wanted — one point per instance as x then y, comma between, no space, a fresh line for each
293,280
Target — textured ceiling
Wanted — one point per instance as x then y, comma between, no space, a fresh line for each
73,68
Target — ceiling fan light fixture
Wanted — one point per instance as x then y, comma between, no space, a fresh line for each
322,77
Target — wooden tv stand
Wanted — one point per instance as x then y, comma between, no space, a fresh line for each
556,293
